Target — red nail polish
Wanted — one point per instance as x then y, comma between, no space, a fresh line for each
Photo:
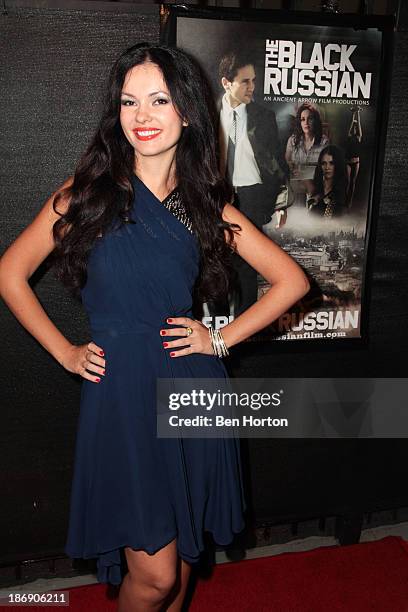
165,344
162,332
103,371
101,353
98,380
172,354
169,320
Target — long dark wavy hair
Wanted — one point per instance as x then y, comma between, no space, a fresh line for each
339,178
317,130
102,193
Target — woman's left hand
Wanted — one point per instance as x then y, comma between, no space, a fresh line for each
198,341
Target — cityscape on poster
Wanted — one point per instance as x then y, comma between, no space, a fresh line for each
306,104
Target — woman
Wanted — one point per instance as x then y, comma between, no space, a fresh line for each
353,153
303,149
140,230
307,140
327,197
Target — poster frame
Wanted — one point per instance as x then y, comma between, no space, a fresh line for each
386,24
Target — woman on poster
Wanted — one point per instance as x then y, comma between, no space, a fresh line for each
142,232
303,149
327,197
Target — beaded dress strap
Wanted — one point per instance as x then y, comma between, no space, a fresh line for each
174,204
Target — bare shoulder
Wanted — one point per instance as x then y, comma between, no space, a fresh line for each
248,238
231,214
63,201
60,196
36,241
260,251
228,212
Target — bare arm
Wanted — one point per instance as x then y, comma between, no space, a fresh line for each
17,265
288,285
288,281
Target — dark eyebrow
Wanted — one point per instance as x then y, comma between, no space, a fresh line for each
154,93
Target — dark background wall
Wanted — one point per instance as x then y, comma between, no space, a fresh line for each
53,65
54,62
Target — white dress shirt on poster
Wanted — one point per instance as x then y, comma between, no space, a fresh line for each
246,171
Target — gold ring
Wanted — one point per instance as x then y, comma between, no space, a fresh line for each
189,330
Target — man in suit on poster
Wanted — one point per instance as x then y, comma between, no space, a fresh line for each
250,157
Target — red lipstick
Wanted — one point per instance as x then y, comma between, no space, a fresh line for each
146,133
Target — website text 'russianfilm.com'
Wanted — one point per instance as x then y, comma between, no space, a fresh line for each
282,408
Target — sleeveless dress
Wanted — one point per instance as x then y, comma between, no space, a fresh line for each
131,487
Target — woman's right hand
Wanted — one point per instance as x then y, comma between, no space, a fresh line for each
80,359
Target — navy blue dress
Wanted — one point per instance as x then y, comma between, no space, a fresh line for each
130,487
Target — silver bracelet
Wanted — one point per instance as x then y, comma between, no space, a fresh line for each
218,343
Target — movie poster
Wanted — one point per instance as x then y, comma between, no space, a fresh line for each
298,109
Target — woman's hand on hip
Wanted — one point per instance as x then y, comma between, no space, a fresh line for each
80,359
198,341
